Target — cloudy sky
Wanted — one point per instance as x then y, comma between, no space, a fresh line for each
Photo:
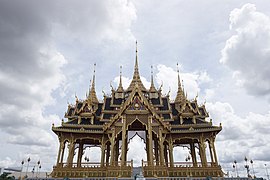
48,48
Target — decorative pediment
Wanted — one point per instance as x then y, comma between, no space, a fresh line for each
136,104
187,108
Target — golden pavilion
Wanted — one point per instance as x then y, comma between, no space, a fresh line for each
162,123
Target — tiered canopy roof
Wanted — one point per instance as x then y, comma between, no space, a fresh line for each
181,115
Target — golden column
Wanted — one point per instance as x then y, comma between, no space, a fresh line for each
171,152
124,141
150,142
202,152
116,152
107,154
214,150
60,151
71,152
166,154
193,154
156,151
161,147
102,159
63,152
80,153
211,152
112,140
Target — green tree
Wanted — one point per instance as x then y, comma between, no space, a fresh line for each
6,176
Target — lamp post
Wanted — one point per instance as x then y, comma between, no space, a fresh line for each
235,162
247,166
21,169
38,163
251,162
266,170
234,168
33,172
28,160
39,170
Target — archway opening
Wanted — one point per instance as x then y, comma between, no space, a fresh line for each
136,147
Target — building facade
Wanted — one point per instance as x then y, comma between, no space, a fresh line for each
161,123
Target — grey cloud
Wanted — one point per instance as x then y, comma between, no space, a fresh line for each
247,51
32,34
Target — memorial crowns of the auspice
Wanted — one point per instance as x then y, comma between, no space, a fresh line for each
162,123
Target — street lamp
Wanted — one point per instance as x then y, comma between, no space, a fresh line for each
251,162
247,166
266,171
233,168
38,168
33,172
28,160
21,169
235,162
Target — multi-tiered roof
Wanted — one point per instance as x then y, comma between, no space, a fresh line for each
180,115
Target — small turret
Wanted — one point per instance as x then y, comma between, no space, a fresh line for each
180,96
120,90
92,96
153,91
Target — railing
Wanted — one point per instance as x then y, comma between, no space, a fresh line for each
177,164
93,164
190,164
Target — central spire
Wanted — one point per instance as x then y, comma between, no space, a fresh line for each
136,76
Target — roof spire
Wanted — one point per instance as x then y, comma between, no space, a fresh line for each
136,76
179,81
180,97
152,87
120,87
136,68
92,96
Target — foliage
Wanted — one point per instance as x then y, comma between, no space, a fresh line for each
6,176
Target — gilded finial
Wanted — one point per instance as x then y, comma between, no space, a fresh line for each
161,85
104,94
121,70
92,92
152,87
180,96
196,96
94,77
76,97
168,94
120,87
111,86
136,46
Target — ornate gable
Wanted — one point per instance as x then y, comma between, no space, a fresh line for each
136,102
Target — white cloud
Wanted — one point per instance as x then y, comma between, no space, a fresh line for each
241,136
191,81
247,51
95,21
7,162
